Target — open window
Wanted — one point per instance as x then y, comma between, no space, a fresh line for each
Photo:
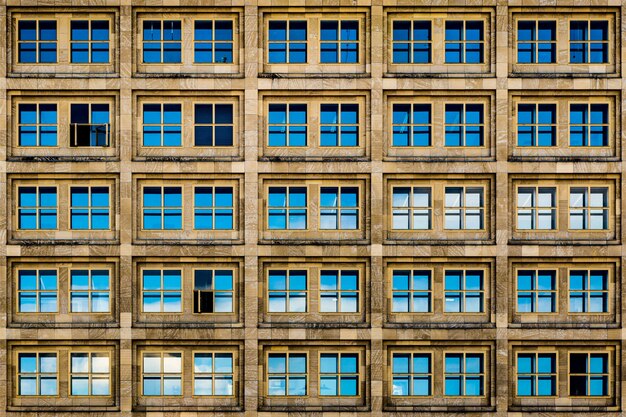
90,125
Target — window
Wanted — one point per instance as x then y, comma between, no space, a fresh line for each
412,125
464,125
588,374
162,124
161,374
536,374
339,125
588,208
339,208
339,374
213,41
213,291
411,291
37,291
464,42
589,41
536,125
37,208
464,375
589,125
588,291
90,291
411,374
464,208
412,42
90,374
90,208
536,291
162,208
287,291
161,41
287,374
37,41
37,374
89,41
339,42
536,208
339,291
287,208
287,125
536,42
37,125
213,208
213,374
464,291
213,124
161,291
89,124
287,42
412,208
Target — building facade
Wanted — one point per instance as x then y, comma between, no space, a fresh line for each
315,207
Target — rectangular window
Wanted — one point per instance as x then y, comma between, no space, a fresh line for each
588,374
213,41
339,125
412,208
213,124
536,291
37,208
536,42
162,208
213,374
90,291
213,291
287,125
412,125
588,291
37,291
90,125
161,291
589,41
287,208
589,125
464,125
287,42
588,208
213,208
339,374
287,291
339,42
411,291
412,374
464,375
162,42
162,124
464,208
464,291
536,208
536,374
464,42
161,374
90,374
89,41
339,208
339,291
37,41
412,42
89,208
287,374
37,124
536,125
37,374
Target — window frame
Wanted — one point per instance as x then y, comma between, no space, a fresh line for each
339,375
588,209
162,291
462,300
90,42
89,373
535,209
288,291
482,375
536,375
610,40
37,373
411,375
556,291
233,374
536,42
110,208
234,41
37,290
287,354
161,374
90,291
609,272
588,374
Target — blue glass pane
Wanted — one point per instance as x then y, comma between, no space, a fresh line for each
329,30
526,30
297,114
454,31
152,196
277,30
453,280
277,197
151,52
171,30
79,30
401,30
27,30
47,30
525,53
99,113
526,364
578,30
349,30
47,52
172,197
401,53
28,114
99,30
452,386
474,31
297,30
598,30
577,280
297,197
400,363
223,30
546,31
578,114
27,53
297,53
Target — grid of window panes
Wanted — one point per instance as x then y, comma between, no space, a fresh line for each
161,291
411,374
162,41
89,41
213,291
536,125
464,125
287,208
37,374
588,208
536,42
412,42
464,208
90,291
339,41
287,42
411,291
287,291
589,41
536,374
412,125
89,208
464,375
37,124
37,208
213,125
287,125
162,208
90,374
339,291
287,374
339,208
90,124
464,42
536,291
589,125
464,291
162,124
213,374
213,41
339,125
213,208
161,374
339,374
588,291
412,208
37,41
37,291
536,208
588,374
